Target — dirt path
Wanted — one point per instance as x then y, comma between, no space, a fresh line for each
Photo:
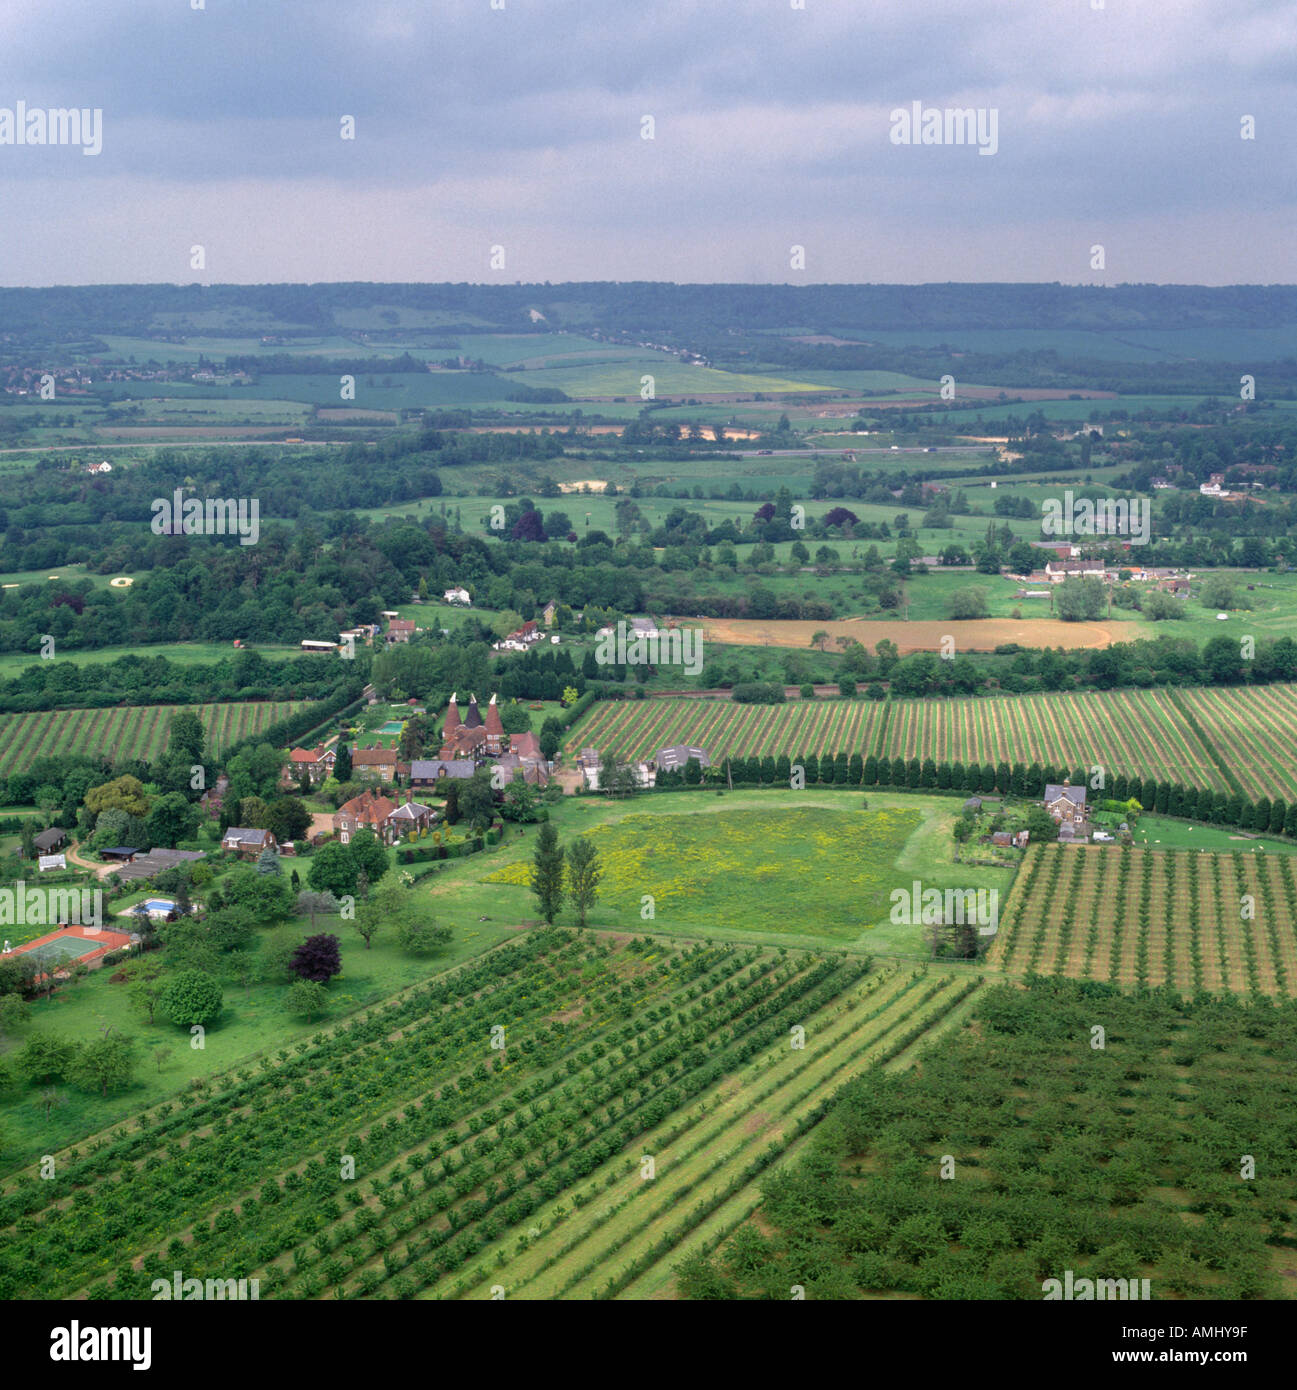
99,870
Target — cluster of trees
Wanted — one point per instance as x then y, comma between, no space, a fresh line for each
147,680
557,875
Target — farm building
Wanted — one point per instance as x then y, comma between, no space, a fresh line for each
119,854
427,772
145,866
671,759
247,843
471,735
410,816
50,840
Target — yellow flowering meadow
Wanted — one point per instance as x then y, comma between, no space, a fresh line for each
815,869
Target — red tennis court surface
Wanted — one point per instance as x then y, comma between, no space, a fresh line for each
74,943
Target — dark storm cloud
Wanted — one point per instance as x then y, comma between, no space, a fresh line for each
521,127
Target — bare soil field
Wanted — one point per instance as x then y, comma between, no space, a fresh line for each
341,412
980,636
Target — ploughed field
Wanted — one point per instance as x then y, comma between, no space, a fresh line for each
476,1167
1184,918
1196,737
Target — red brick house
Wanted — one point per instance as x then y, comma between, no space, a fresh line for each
317,761
367,812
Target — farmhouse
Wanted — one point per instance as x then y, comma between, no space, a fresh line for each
1059,570
549,612
458,595
317,761
521,640
400,629
1065,803
364,812
375,764
247,843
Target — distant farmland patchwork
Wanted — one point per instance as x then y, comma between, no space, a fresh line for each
133,731
1188,736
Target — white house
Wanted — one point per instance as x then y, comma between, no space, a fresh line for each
457,596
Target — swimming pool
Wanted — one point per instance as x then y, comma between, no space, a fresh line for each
158,907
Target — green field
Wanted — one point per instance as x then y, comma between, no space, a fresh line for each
182,653
671,377
798,867
127,731
1167,833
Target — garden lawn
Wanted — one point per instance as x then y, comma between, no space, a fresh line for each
253,1023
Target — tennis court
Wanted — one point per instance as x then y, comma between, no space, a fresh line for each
64,948
58,949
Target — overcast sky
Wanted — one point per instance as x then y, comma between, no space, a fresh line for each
521,127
